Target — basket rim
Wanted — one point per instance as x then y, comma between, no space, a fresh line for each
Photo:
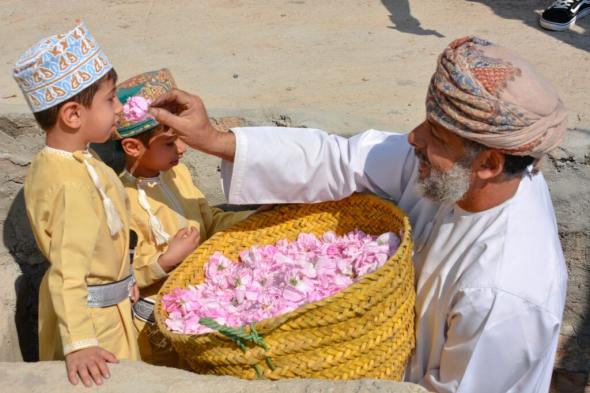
269,324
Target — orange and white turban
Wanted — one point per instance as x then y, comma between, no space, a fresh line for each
490,95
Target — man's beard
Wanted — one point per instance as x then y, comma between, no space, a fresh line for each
445,187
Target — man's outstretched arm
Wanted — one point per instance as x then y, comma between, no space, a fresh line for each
279,165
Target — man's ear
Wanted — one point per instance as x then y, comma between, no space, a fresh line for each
489,164
133,147
70,115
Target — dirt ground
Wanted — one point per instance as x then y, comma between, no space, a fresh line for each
343,65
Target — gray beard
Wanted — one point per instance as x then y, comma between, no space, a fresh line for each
445,187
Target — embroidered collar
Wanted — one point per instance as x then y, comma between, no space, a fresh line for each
143,180
65,153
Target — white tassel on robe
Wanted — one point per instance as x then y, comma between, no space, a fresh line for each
113,219
158,231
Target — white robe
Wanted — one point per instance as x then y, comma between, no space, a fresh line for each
490,285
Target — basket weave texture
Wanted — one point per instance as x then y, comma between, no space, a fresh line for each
364,331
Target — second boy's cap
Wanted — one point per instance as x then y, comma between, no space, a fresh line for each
149,86
59,67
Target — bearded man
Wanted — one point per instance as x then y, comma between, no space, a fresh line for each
490,272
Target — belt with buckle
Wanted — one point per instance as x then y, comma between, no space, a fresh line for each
105,295
143,309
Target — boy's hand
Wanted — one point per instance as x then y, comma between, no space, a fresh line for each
134,295
89,365
180,246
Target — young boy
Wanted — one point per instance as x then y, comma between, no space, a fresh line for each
168,212
77,207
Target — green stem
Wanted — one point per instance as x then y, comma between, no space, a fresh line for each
239,337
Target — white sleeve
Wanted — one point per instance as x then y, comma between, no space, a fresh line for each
495,342
286,165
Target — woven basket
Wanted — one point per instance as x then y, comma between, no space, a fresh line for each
364,331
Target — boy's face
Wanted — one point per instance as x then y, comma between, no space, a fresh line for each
162,152
100,118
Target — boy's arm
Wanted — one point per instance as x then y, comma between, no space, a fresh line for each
150,265
217,219
214,219
145,262
74,227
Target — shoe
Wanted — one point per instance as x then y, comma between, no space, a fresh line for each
563,13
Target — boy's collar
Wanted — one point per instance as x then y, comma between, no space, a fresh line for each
143,180
65,153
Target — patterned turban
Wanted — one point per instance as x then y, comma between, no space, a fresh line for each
490,95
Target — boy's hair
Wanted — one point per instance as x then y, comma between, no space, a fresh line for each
48,117
145,136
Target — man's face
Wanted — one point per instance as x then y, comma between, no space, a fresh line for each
444,170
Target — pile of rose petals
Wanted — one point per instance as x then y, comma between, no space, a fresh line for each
275,279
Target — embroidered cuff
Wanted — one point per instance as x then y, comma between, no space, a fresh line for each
81,344
156,270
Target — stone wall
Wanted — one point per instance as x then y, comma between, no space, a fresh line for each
21,265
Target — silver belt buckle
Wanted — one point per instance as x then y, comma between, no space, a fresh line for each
143,310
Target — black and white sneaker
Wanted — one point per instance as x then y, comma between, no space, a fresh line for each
563,13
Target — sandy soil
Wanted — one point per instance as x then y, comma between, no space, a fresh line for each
343,65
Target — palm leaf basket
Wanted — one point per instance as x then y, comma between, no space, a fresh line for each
364,331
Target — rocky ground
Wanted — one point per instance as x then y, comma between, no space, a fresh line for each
341,66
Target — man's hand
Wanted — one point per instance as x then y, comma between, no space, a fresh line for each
89,365
181,246
187,116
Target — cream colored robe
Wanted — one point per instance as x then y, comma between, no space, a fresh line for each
68,220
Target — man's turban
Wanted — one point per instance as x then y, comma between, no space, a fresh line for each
490,95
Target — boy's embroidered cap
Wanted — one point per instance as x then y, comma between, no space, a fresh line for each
136,94
59,67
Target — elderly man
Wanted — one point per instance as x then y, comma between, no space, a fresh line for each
490,272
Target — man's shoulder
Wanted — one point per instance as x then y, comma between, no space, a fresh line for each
522,255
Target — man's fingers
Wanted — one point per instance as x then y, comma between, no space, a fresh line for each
95,373
163,116
174,96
